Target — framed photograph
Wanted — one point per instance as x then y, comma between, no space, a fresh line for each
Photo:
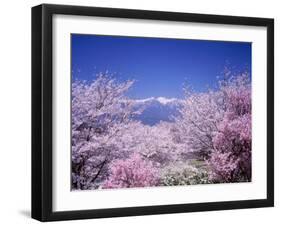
145,112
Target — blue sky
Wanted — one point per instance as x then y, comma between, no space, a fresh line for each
159,66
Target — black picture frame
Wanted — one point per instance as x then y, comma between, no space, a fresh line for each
42,112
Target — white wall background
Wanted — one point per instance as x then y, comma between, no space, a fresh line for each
15,113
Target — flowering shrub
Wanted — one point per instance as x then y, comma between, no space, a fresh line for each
184,174
132,172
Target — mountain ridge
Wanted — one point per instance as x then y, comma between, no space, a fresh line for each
157,109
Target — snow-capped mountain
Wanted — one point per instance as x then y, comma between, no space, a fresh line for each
156,109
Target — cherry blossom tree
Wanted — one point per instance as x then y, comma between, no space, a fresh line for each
231,157
156,143
101,114
198,122
217,126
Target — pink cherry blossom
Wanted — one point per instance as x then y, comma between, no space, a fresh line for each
132,172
